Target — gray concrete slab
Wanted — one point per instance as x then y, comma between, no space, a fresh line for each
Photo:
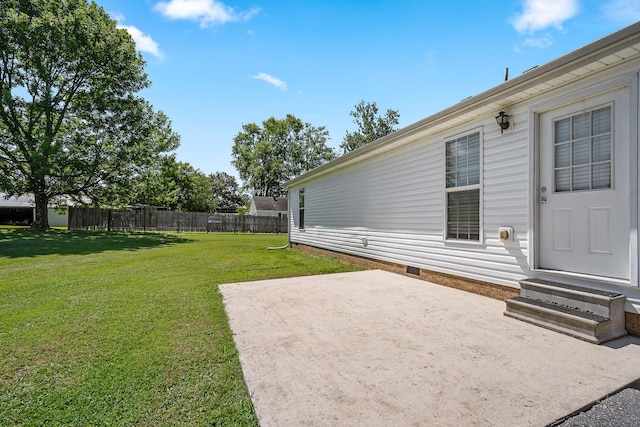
376,348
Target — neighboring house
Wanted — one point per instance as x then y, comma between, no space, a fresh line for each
554,196
21,211
268,206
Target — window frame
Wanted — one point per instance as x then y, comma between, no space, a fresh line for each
466,188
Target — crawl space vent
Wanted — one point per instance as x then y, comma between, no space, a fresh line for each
413,270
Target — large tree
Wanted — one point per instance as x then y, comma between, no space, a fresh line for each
371,126
268,156
226,192
70,121
193,189
174,185
151,186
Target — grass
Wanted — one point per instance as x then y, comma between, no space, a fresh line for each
128,328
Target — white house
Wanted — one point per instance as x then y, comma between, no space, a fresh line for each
268,206
21,211
554,196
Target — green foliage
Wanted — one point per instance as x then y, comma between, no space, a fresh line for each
226,192
192,188
174,185
268,156
70,123
135,332
370,126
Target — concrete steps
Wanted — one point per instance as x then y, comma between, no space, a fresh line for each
589,314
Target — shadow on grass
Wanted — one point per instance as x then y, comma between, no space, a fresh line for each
20,243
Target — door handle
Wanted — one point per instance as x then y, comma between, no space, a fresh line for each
543,200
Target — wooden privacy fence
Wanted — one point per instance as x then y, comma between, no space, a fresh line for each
154,220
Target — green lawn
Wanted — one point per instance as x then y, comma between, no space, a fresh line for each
128,328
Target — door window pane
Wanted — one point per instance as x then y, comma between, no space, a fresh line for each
581,178
563,179
581,152
602,121
563,130
581,126
601,150
601,175
563,155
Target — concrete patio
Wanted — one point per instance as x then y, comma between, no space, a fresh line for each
376,348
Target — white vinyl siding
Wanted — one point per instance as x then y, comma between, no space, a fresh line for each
463,187
397,200
582,151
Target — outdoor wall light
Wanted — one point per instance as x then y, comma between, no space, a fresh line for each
503,121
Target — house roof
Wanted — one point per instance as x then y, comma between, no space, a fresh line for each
271,203
16,202
592,58
26,201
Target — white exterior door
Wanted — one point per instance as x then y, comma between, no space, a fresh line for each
584,187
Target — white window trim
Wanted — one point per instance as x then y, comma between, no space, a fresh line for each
479,186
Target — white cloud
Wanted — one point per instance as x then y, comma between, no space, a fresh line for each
207,12
540,42
627,11
144,42
541,14
116,16
271,80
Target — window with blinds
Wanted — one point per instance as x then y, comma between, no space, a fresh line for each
463,187
582,151
301,209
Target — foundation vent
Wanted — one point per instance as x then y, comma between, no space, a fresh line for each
413,270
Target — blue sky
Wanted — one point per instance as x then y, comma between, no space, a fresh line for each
218,65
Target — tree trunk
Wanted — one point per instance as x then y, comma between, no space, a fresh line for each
41,221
